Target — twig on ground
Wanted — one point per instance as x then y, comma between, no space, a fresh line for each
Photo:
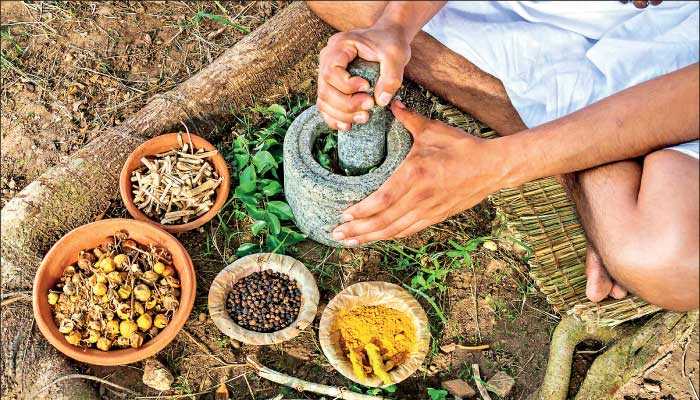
479,383
180,396
250,390
11,297
204,347
302,385
82,376
685,374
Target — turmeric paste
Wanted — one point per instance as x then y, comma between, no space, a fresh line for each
375,339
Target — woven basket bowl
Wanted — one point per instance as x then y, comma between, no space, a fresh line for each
374,294
247,265
65,252
161,144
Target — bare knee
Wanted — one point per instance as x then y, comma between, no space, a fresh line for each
660,266
347,15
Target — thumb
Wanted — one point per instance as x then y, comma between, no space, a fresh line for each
390,78
414,122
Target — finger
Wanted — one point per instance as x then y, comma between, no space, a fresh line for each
387,233
333,63
598,284
416,227
618,292
391,191
390,78
355,104
333,124
380,221
344,120
413,122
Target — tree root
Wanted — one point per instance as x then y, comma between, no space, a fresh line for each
633,354
633,350
569,333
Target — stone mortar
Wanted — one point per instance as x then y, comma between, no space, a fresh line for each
363,147
318,196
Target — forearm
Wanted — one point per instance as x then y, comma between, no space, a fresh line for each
631,123
408,16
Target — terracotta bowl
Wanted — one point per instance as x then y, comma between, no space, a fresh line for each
374,294
254,263
65,252
161,144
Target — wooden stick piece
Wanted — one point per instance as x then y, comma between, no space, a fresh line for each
479,385
306,386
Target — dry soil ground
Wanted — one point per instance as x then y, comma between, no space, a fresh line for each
71,69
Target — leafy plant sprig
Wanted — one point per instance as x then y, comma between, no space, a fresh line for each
259,192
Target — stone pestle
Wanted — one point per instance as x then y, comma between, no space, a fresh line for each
363,147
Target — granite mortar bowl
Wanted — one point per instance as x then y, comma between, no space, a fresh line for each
65,252
224,281
374,293
161,144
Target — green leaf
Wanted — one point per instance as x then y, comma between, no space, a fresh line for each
324,160
270,187
256,213
277,109
437,394
264,161
247,179
274,244
390,389
246,198
331,143
273,222
281,209
418,282
247,248
241,160
374,391
257,227
291,236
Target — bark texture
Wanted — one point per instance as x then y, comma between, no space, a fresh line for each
633,355
277,58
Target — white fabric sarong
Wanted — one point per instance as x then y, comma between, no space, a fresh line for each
557,57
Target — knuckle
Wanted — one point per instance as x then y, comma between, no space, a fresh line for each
384,198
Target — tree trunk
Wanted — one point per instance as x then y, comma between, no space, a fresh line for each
275,59
632,355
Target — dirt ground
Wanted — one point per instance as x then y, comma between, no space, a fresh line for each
69,70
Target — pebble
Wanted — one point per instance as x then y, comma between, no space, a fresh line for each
264,301
459,388
157,376
202,317
501,384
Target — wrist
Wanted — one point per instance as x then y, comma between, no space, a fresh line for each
396,27
510,160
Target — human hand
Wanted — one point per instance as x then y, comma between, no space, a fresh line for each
445,172
342,99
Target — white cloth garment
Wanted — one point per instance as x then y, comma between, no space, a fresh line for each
557,57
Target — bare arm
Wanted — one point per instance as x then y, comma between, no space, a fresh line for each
447,171
628,124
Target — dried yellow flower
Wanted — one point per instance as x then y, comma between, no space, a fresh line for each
160,321
127,328
104,344
142,292
53,298
144,322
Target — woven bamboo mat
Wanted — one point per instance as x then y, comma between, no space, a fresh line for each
540,214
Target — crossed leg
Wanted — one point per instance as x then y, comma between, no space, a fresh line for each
641,219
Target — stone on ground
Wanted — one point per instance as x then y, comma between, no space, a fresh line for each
501,384
157,376
459,388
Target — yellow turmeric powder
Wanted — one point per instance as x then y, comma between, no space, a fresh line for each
376,339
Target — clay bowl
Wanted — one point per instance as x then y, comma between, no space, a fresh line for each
247,265
65,252
161,144
374,294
